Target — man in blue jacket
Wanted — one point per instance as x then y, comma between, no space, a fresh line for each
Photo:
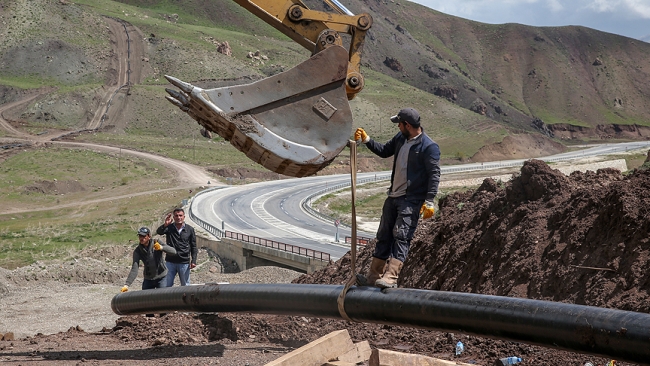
414,185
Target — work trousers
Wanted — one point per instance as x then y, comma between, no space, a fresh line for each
150,284
399,218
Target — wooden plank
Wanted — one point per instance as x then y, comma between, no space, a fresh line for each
318,352
360,353
382,357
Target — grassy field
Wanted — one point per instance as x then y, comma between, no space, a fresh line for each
194,149
37,183
53,176
60,233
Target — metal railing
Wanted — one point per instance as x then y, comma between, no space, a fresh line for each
277,245
361,240
218,233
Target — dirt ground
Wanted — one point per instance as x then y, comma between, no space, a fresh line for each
578,239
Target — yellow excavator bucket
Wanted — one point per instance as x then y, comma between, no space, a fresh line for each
293,123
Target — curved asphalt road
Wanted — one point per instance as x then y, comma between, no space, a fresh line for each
273,210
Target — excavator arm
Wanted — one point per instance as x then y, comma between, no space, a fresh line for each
296,122
317,30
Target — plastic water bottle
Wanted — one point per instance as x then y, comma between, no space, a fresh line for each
459,348
510,360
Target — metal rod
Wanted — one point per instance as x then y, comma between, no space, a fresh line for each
618,334
341,8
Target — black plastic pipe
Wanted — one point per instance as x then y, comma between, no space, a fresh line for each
617,334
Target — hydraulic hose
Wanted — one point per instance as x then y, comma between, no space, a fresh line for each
618,334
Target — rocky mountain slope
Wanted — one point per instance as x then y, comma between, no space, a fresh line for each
474,83
569,77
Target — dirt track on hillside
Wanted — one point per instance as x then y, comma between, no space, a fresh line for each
126,68
127,63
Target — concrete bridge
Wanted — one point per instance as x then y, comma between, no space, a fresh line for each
249,252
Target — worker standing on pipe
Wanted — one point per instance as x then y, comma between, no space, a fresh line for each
414,185
150,253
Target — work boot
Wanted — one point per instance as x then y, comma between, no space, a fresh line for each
389,279
377,267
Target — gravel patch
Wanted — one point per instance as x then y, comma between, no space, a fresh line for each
52,297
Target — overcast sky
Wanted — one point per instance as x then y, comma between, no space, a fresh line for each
630,18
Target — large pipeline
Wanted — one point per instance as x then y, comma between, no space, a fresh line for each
617,334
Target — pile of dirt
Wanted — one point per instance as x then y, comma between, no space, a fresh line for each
55,187
174,328
245,173
81,270
111,265
580,239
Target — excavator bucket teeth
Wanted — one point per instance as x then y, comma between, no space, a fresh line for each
293,123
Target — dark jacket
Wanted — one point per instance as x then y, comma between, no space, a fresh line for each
153,261
184,243
423,167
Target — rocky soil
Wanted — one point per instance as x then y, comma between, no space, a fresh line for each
543,235
59,312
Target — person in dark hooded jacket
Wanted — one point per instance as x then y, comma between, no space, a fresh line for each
413,186
150,253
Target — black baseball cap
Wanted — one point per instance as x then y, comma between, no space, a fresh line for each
144,231
408,115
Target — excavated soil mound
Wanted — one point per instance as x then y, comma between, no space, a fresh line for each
580,239
174,329
55,187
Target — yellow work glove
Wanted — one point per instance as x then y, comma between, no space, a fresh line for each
360,134
427,210
125,288
157,246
